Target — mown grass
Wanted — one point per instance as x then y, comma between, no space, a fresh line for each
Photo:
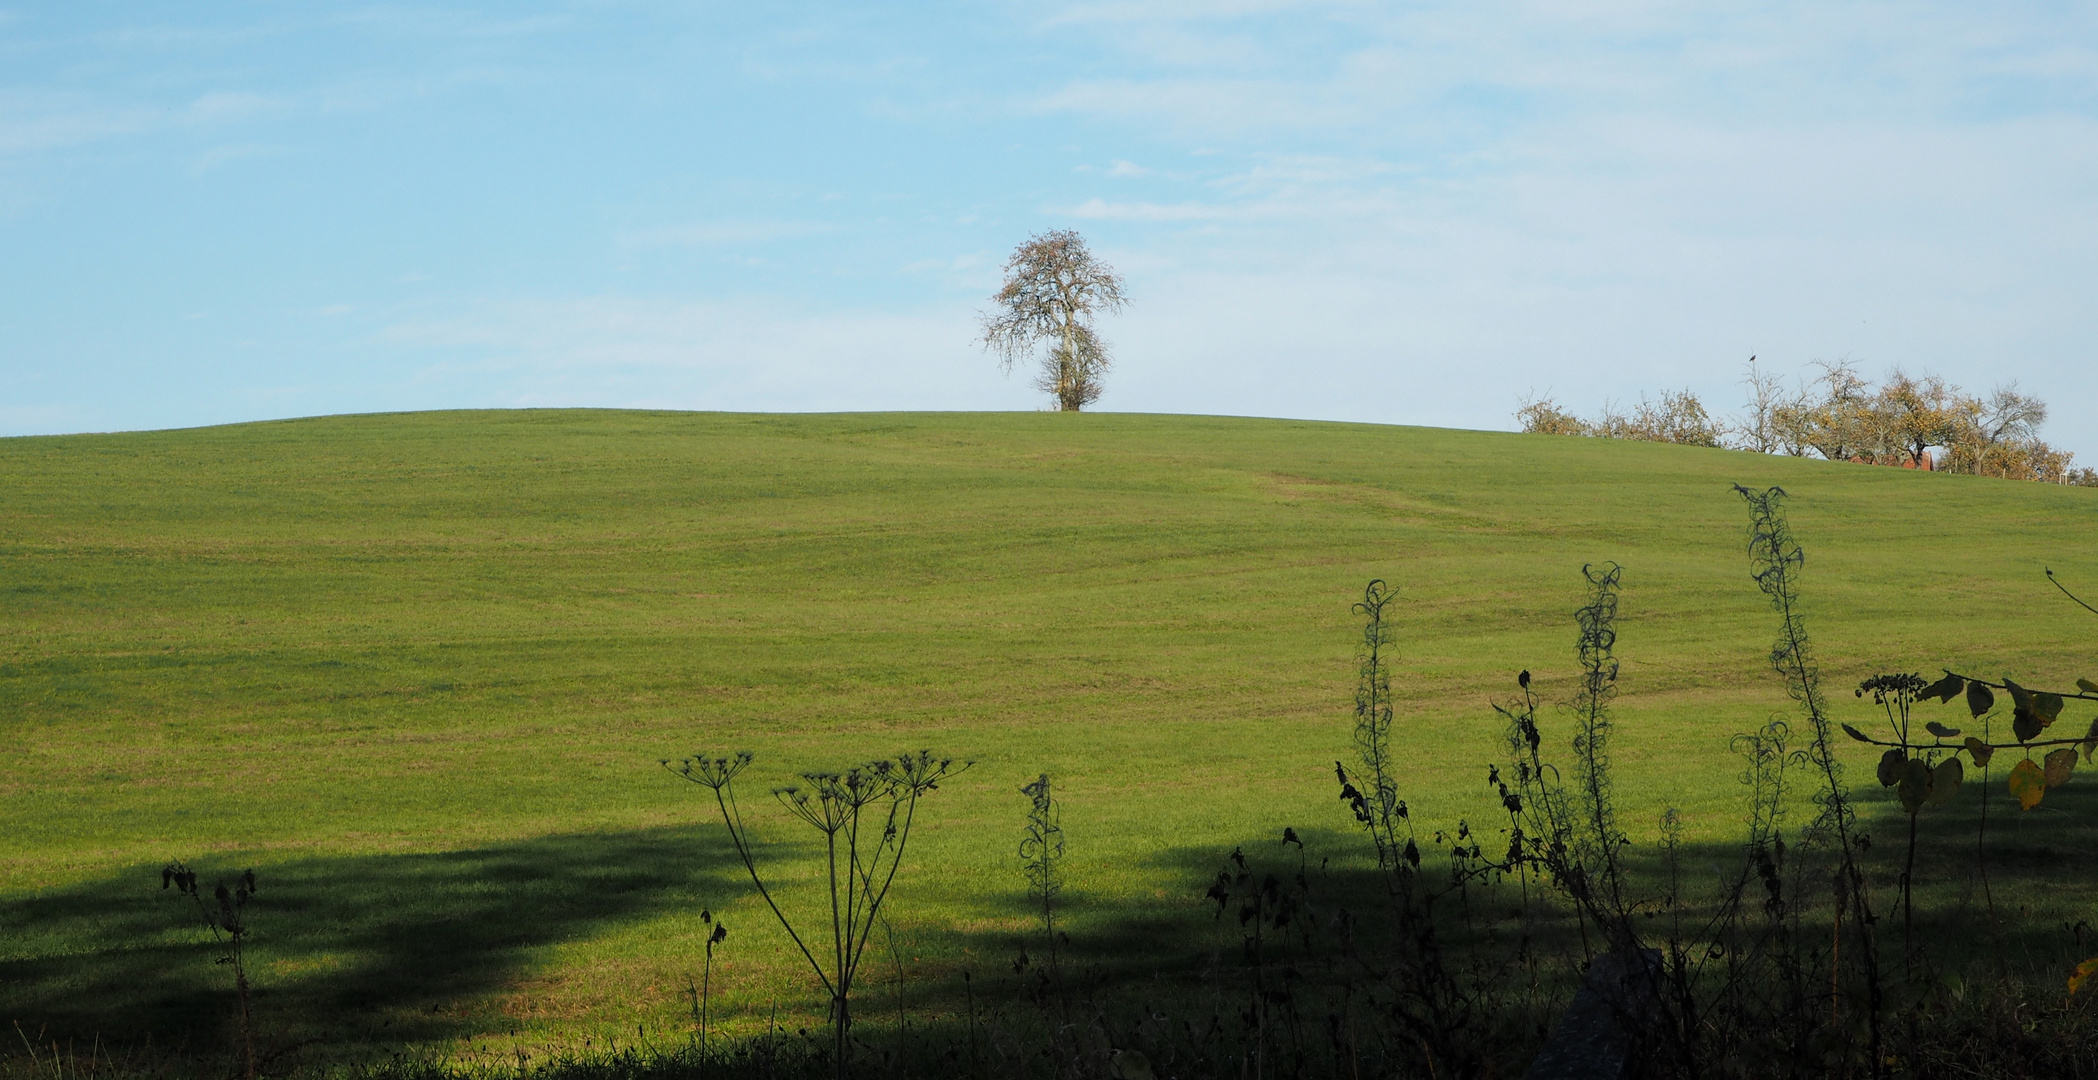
418,669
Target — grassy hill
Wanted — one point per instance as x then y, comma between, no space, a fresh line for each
417,670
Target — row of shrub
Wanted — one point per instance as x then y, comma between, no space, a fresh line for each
1916,422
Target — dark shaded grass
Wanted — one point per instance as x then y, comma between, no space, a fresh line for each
355,952
372,958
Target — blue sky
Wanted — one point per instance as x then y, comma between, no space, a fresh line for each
1394,213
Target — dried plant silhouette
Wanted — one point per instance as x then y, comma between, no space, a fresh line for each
1053,290
702,994
864,815
1042,854
225,915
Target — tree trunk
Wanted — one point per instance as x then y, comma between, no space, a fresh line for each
1068,397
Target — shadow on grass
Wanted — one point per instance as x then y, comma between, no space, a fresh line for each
375,951
2022,915
382,948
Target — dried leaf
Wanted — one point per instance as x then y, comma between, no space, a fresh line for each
1855,733
1891,766
2026,724
2087,686
1946,779
2060,763
2048,706
1941,731
1915,787
2090,741
1980,751
2028,784
2086,975
1944,689
1979,699
1129,1065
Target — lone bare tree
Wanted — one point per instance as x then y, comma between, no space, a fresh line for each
1053,288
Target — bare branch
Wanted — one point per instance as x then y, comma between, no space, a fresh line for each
1053,289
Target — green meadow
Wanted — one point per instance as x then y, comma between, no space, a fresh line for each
418,671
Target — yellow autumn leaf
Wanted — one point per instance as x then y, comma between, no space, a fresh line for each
2028,784
2084,975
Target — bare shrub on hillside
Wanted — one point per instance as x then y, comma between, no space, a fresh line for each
1543,416
1676,417
1917,422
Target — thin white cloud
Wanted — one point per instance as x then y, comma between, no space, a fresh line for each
442,24
1412,211
34,122
1101,210
640,352
722,233
1409,69
41,418
227,107
1214,105
1151,11
218,156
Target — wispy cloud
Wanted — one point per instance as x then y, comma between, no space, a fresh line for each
228,107
42,418
1411,208
218,156
130,80
448,23
1206,11
1102,210
1327,66
31,122
722,233
1218,105
627,351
